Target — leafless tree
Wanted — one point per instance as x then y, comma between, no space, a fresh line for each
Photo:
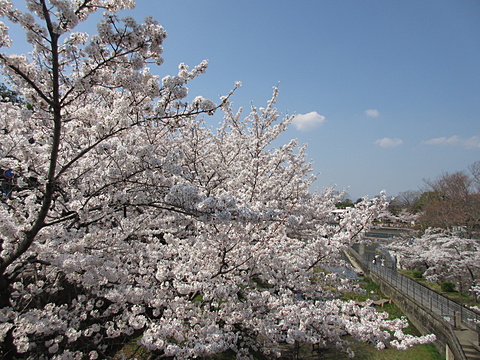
454,201
408,199
475,170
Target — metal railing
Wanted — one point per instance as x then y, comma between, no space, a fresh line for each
425,296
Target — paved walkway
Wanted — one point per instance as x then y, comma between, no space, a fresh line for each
470,343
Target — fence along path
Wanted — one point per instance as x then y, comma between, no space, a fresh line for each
428,298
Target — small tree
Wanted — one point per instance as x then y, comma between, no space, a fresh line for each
130,219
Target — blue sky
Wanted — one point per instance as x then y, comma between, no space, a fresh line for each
393,87
396,83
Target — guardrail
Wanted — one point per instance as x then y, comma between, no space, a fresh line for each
406,294
427,297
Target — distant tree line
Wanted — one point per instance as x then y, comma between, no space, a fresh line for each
450,202
347,203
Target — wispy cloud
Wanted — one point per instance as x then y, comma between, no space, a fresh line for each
305,122
389,142
372,113
455,140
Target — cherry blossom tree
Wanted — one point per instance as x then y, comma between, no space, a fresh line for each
127,218
443,256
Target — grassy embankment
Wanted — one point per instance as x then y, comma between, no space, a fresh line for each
452,295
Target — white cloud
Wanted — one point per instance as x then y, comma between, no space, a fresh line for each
472,142
455,140
373,113
308,121
388,142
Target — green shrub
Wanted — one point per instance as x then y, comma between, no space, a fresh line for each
417,274
447,286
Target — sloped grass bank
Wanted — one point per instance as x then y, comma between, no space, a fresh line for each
367,352
452,295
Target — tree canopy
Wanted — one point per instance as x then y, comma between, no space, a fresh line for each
127,217
452,202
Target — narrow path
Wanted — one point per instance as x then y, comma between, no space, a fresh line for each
469,341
